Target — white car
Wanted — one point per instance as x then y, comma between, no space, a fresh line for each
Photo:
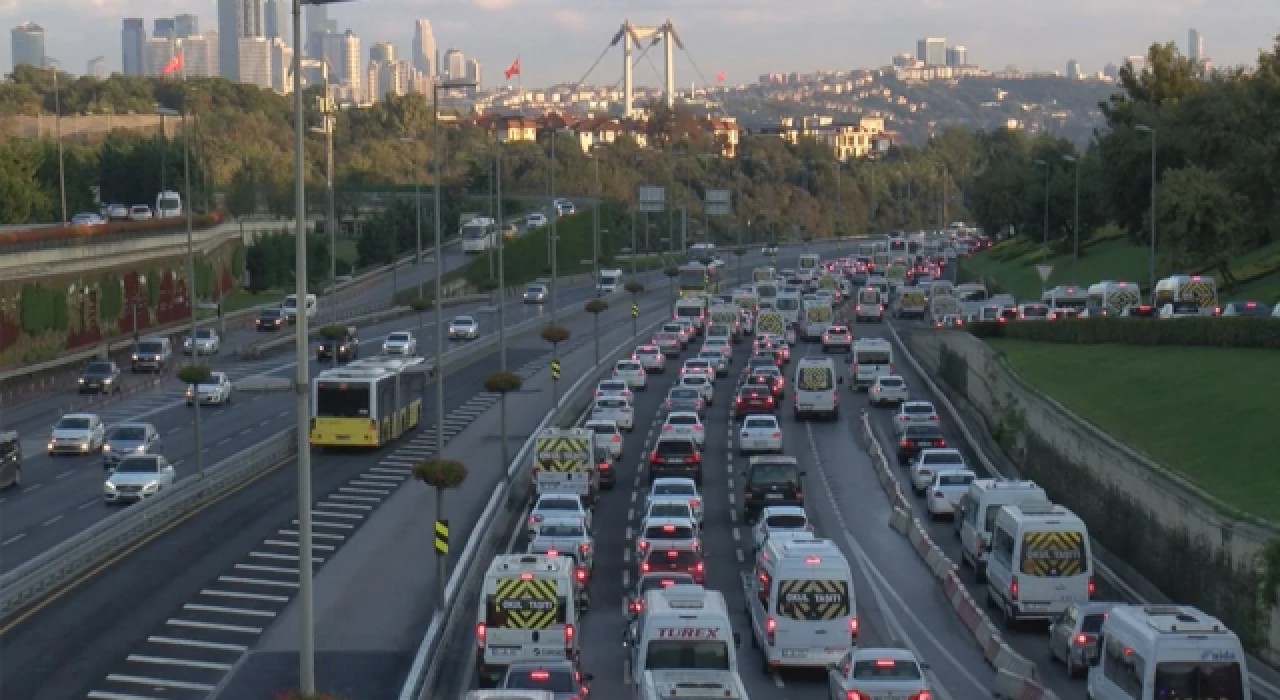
760,433
139,212
464,328
930,462
948,487
702,383
77,434
685,424
137,477
719,361
616,409
699,366
879,673
216,391
207,342
721,345
1180,309
889,389
769,250
607,437
651,358
683,332
536,294
914,413
535,220
781,521
400,343
557,505
631,372
666,533
673,487
613,388
669,506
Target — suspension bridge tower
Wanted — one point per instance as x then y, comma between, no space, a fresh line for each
638,37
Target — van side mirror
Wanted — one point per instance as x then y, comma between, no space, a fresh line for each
737,640
804,473
840,380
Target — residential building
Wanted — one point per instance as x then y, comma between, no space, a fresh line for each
932,51
455,64
164,28
133,37
1195,45
512,128
384,78
281,64
425,55
186,25
845,140
1073,70
957,56
473,74
96,68
597,131
28,45
200,55
727,133
382,52
157,53
255,61
237,19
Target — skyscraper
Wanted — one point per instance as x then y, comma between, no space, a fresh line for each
237,19
186,25
1073,70
957,56
96,68
156,54
1195,45
425,56
276,24
164,28
455,64
281,62
200,55
254,60
351,60
28,45
317,21
133,37
473,73
932,51
382,51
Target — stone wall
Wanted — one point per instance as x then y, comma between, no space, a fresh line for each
1193,548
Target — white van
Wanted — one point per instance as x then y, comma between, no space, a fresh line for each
815,319
289,307
869,306
802,604
872,358
610,281
1039,562
168,204
1167,651
815,388
681,627
977,516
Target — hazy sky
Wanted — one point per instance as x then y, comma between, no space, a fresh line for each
558,40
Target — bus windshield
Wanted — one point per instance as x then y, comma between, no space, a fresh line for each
699,655
693,277
1199,680
342,402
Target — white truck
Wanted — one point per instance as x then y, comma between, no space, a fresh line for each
610,281
478,235
872,358
912,303
563,462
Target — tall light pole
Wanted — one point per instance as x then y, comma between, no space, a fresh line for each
1047,170
417,206
555,216
330,123
1075,226
1152,263
502,287
57,126
595,220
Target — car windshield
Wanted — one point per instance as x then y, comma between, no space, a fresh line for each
138,465
755,393
684,393
761,422
73,424
151,348
710,356
556,681
922,409
891,383
604,429
534,290
775,474
611,404
463,321
886,670
934,458
129,433
271,313
398,338
698,380
954,479
682,558
923,431
669,532
613,385
675,447
653,583
669,510
98,368
1092,624
630,366
1035,311
561,530
786,522
682,420
697,364
674,489
558,504
769,371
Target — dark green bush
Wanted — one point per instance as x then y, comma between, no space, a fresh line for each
1185,332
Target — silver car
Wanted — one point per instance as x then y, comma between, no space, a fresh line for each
400,343
128,439
207,342
535,294
137,477
1073,636
719,362
685,399
464,328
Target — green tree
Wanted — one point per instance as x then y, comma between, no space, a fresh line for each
1200,220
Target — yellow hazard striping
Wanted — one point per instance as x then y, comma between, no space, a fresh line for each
813,600
1052,554
532,604
815,378
1200,291
562,454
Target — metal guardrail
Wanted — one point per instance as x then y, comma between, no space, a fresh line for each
493,525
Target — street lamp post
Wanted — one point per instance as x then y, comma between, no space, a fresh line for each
1075,226
330,123
57,127
555,217
1152,263
595,222
1047,171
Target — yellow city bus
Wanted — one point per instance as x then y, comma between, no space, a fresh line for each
367,403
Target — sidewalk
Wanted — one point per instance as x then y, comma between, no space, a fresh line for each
375,597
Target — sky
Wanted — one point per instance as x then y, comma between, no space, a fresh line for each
560,40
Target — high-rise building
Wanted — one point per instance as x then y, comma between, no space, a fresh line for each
281,63
254,61
455,64
133,37
473,73
957,56
932,51
237,19
200,55
186,25
351,60
1195,45
164,28
276,22
28,45
157,53
328,47
96,68
1138,62
425,56
1073,70
1111,71
382,52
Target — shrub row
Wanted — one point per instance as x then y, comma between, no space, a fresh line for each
87,233
1233,332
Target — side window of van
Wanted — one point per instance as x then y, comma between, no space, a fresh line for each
970,510
1002,547
1124,668
10,448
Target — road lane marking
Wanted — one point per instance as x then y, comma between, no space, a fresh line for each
222,610
213,592
65,474
52,520
164,661
258,582
318,535
178,622
158,683
29,489
87,504
234,648
13,539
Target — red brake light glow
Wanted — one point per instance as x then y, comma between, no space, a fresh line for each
526,576
539,675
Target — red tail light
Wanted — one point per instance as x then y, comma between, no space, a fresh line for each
604,466
695,503
580,574
922,695
768,400
583,547
777,436
939,443
1082,639
644,567
569,631
904,443
691,460
1092,587
699,567
654,458
666,428
853,629
617,438
539,675
1013,589
481,633
643,545
890,368
739,401
771,628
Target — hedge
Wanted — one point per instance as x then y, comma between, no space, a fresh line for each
84,233
1219,332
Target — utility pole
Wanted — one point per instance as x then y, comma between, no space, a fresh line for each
595,223
555,216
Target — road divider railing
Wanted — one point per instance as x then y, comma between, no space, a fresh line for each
439,648
1008,663
67,563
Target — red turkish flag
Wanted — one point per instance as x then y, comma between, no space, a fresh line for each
173,66
720,77
513,69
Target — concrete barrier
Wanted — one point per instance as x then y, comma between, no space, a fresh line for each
1011,661
1008,686
900,521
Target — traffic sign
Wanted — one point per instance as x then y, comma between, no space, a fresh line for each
555,370
635,311
717,202
1044,270
652,199
442,537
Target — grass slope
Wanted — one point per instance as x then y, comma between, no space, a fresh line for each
1206,413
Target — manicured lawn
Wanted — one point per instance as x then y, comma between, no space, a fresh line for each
243,299
1207,413
1107,260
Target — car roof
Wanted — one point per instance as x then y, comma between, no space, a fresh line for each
670,480
79,415
561,520
783,510
865,654
682,414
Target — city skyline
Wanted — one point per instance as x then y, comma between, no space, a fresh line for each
1093,34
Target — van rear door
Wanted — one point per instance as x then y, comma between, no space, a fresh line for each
813,616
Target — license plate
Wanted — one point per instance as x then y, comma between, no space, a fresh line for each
794,653
773,497
806,405
675,460
503,651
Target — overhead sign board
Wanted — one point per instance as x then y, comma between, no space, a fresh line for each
717,202
652,199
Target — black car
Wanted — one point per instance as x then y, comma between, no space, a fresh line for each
604,467
270,320
772,480
1247,308
1143,311
676,457
653,581
100,377
916,438
348,347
